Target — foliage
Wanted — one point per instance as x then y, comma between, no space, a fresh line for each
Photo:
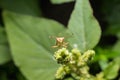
60,1
85,26
26,47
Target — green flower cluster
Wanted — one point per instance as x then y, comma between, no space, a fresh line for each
73,63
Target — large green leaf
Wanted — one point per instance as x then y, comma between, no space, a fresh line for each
60,1
112,70
30,7
4,48
31,46
84,26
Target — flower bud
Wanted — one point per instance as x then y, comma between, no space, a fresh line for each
60,73
76,53
62,56
88,55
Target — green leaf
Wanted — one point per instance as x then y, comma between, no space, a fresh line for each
30,7
103,64
103,54
116,47
84,26
117,59
61,1
31,46
111,71
5,55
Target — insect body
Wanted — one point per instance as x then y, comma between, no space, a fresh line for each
60,42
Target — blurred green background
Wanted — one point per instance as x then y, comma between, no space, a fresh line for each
107,12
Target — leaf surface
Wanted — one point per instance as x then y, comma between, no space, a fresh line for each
116,47
31,46
84,26
61,1
112,70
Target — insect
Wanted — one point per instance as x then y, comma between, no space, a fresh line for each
60,42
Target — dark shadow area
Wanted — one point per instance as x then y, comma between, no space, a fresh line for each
101,17
59,12
11,72
94,68
1,20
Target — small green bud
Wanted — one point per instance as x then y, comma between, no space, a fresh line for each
84,70
81,62
88,55
62,56
67,69
73,63
76,52
77,77
60,73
